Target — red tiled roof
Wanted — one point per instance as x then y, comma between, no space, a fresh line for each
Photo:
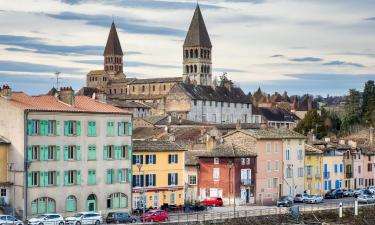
51,103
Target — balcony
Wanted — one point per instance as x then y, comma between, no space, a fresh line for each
348,175
309,176
318,176
326,175
247,182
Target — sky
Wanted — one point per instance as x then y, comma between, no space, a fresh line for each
301,46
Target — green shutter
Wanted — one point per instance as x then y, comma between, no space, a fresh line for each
66,152
116,201
30,127
29,153
57,153
78,127
92,152
58,128
34,209
66,128
129,152
41,153
124,201
78,152
58,180
46,178
105,152
65,177
117,152
44,127
121,128
41,127
45,152
112,176
120,175
51,206
42,206
129,180
93,129
130,127
29,179
41,179
78,181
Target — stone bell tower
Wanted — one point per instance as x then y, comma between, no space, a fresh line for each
197,62
113,55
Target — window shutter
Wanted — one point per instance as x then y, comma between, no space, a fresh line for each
124,201
108,176
57,153
108,128
130,152
176,179
46,179
147,180
129,175
65,152
105,152
112,176
93,129
154,180
78,181
66,128
41,179
142,181
169,179
42,129
45,152
78,128
78,152
141,159
130,129
133,181
120,129
120,175
169,159
58,128
134,160
34,209
29,153
41,153
29,179
117,152
147,160
94,176
30,127
176,158
45,127
65,177
58,178
154,157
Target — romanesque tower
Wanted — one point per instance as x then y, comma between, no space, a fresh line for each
197,64
113,54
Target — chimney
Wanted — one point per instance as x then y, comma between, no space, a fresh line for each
101,96
371,135
309,103
238,125
66,95
6,91
228,85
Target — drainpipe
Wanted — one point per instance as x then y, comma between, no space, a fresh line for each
26,166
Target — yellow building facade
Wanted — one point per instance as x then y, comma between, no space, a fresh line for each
158,173
4,174
314,170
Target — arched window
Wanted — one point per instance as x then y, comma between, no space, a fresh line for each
186,54
208,69
114,90
195,68
164,87
43,205
110,91
117,201
202,69
205,54
191,68
191,53
187,69
153,87
202,53
71,204
196,53
91,203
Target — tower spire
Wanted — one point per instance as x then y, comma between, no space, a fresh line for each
197,51
113,54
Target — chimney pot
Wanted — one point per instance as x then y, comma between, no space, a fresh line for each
66,95
6,91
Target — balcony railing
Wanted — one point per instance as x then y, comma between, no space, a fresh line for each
247,182
348,175
326,175
309,176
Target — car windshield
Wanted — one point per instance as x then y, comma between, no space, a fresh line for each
110,214
78,215
41,216
284,198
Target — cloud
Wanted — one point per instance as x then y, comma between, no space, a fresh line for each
342,63
71,2
370,19
36,45
306,59
130,64
32,67
277,56
128,25
228,70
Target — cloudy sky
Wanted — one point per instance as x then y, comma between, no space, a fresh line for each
302,46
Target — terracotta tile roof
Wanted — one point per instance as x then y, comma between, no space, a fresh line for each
51,103
311,150
125,104
148,133
230,150
164,120
191,157
270,133
155,146
96,72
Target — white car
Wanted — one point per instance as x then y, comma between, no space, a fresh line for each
366,199
47,219
8,220
84,218
313,199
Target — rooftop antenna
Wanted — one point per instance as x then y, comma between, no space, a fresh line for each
57,77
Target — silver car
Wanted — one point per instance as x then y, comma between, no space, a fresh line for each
366,199
47,219
84,218
313,199
8,220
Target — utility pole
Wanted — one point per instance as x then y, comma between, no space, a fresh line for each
57,75
11,169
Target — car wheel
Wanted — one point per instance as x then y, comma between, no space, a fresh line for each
78,223
134,220
61,223
97,222
40,224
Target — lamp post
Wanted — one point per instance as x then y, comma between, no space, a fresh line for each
139,165
11,169
231,166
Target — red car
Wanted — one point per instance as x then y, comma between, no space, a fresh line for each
213,202
154,216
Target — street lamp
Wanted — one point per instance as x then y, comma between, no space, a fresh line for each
139,165
231,166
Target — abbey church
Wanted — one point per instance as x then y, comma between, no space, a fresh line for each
192,95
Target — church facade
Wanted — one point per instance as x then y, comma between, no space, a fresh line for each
194,95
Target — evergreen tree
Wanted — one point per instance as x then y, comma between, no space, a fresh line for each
311,122
368,104
353,111
223,80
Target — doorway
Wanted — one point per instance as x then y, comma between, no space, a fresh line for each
91,204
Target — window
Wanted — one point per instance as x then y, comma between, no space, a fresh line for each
269,166
164,87
192,180
71,204
335,168
33,127
300,172
138,180
173,159
110,176
287,154
72,128
268,147
150,180
277,163
91,177
341,168
300,155
243,161
216,161
35,153
109,152
51,178
72,177
124,175
34,179
276,148
123,128
117,200
216,174
124,152
137,159
110,128
51,152
275,182
289,172
51,127
172,179
91,128
195,102
248,161
369,167
91,152
43,205
143,88
151,159
359,169
71,152
172,198
3,192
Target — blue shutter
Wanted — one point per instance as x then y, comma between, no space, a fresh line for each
154,180
169,159
325,185
147,180
134,160
176,158
176,180
169,179
330,184
133,181
154,159
341,168
141,159
147,160
142,181
335,167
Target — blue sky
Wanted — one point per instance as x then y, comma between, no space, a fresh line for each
301,46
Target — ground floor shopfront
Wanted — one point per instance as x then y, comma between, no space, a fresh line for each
155,198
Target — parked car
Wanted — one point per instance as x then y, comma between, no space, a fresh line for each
286,201
84,218
335,193
47,219
120,217
313,199
9,220
366,199
300,197
362,192
195,207
170,208
372,189
213,202
139,211
348,192
154,216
